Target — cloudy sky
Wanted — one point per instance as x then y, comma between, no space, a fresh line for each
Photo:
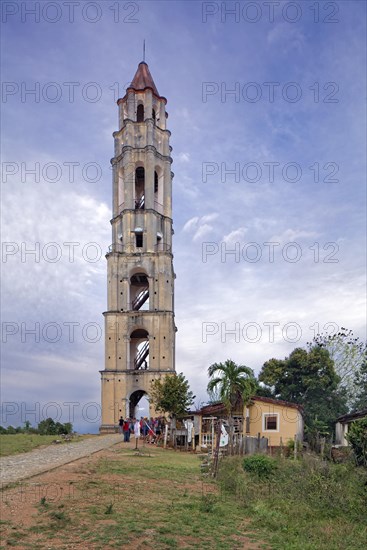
266,108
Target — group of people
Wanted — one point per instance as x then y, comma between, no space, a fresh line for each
151,429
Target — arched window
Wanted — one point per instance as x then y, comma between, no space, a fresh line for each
155,182
139,349
139,188
153,115
140,113
139,292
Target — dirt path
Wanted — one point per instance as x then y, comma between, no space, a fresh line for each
17,467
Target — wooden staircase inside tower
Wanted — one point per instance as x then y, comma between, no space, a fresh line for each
142,355
140,298
139,203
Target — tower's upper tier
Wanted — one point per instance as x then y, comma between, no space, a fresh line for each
143,81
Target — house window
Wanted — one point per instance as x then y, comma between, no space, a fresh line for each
271,422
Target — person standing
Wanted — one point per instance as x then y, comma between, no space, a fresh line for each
121,425
136,431
126,430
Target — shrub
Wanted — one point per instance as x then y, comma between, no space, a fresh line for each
357,437
11,430
50,427
207,503
261,465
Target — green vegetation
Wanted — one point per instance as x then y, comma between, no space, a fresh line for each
349,355
45,427
50,427
357,437
309,379
158,499
261,465
305,505
234,385
171,394
360,383
22,443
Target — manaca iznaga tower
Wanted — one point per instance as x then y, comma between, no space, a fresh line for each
139,321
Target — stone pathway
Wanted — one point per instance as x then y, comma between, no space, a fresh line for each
16,467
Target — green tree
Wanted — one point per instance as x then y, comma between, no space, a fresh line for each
171,394
360,399
357,437
308,377
349,355
27,426
233,384
50,427
47,427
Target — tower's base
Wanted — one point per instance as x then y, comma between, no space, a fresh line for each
108,429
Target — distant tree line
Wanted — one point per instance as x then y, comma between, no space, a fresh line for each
45,427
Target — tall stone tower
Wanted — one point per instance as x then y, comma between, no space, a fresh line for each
139,322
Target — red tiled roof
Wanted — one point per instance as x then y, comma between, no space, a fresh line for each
277,402
216,408
143,79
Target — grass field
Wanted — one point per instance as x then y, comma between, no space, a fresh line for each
123,500
159,500
309,504
20,443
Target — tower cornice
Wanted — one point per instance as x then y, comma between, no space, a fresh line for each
133,211
128,121
150,148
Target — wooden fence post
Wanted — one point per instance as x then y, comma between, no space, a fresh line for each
216,453
165,435
295,447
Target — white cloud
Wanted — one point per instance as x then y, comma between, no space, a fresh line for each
183,157
191,224
203,230
235,236
293,235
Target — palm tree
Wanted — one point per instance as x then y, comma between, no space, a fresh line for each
234,385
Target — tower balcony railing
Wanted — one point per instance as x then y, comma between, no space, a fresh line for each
158,206
144,367
116,247
131,248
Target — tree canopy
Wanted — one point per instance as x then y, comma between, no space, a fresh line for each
171,394
349,355
357,437
307,377
359,401
231,383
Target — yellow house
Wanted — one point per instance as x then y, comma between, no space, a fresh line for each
278,421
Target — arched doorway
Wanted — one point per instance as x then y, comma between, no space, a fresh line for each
138,404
